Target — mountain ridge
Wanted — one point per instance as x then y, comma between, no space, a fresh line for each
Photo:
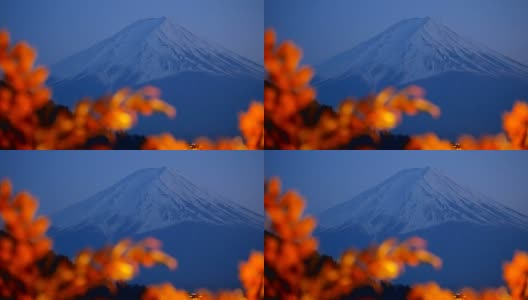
414,49
415,199
151,199
208,84
471,233
151,49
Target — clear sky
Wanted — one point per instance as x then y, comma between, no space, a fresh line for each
326,178
327,27
60,178
59,28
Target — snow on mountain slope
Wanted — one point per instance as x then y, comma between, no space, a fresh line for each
415,49
151,49
415,199
151,199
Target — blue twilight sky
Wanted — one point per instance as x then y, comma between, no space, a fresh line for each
59,28
326,178
324,28
60,178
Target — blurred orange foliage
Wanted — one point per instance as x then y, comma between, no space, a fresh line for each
288,98
25,250
283,121
24,97
291,249
251,124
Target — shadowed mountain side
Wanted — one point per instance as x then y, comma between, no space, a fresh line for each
471,83
470,103
208,255
208,234
208,84
151,49
206,104
333,92
471,233
415,49
465,249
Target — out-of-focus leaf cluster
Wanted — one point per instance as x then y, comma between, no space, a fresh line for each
290,254
30,270
29,120
24,247
294,120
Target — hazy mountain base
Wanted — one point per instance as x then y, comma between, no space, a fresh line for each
208,255
472,233
315,263
472,254
470,103
415,49
470,82
208,84
206,104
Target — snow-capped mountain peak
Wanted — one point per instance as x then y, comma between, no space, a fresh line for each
415,199
414,49
151,49
151,199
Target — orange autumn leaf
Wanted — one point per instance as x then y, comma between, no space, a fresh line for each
515,125
252,276
516,275
252,126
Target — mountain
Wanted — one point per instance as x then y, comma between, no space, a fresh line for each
207,233
152,49
416,49
472,233
415,199
451,68
191,71
150,199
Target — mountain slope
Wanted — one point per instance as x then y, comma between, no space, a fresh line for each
208,84
415,49
472,84
151,49
151,199
472,233
415,199
207,234
208,254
